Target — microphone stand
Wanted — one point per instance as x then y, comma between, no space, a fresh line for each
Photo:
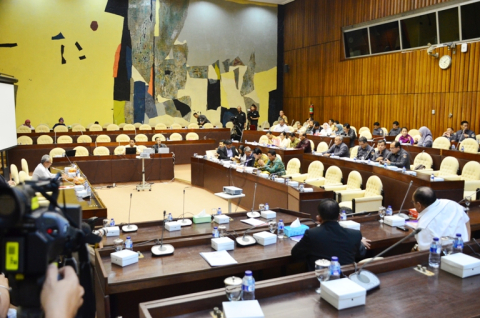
252,214
184,221
405,197
162,250
246,240
130,227
369,280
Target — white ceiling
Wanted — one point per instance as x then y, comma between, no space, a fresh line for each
274,1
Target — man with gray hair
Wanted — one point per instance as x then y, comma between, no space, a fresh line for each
281,127
249,158
339,149
41,172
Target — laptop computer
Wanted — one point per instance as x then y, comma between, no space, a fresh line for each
70,153
131,150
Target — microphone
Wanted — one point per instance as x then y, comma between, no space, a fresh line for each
405,197
469,198
293,120
184,221
162,250
55,138
246,240
252,214
369,280
130,227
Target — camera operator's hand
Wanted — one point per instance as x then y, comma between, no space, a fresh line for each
61,298
4,296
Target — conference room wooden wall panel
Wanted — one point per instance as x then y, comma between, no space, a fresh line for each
398,75
294,25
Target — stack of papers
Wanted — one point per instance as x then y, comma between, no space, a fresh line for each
254,222
220,258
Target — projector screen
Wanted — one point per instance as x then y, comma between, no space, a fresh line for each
8,126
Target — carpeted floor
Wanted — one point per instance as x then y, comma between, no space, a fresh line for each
168,196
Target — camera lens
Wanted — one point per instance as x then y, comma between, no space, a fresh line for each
7,204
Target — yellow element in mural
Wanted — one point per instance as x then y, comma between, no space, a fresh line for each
157,18
118,112
265,82
232,97
196,88
80,90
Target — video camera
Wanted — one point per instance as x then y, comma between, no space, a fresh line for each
32,237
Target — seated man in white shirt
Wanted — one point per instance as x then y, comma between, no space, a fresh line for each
281,127
41,172
438,218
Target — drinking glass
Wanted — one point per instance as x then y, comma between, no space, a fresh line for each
118,244
106,222
233,288
447,245
467,203
261,207
381,212
222,229
272,226
322,272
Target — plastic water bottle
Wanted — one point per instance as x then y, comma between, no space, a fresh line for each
343,216
458,244
385,165
219,211
280,229
463,149
335,269
432,177
169,217
435,250
128,244
248,286
215,232
389,211
453,147
112,222
267,207
404,170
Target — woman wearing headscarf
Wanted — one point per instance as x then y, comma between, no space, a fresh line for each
426,139
339,130
27,124
326,131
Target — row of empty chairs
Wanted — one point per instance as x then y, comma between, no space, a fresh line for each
98,151
46,139
112,127
20,176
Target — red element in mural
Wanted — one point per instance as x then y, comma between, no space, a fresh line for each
94,25
116,61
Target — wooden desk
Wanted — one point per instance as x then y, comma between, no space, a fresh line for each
395,184
402,293
183,150
112,169
216,134
148,230
213,177
91,207
118,289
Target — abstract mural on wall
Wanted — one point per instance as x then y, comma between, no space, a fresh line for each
153,76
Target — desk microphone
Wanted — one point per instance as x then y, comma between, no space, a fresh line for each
469,197
252,214
184,221
331,140
405,197
162,250
130,227
55,138
369,280
246,240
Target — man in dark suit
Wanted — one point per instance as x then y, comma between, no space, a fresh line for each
249,158
158,144
330,239
227,152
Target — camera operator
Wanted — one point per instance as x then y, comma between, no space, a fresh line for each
61,298
241,118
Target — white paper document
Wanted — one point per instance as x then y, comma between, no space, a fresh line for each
254,222
220,258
